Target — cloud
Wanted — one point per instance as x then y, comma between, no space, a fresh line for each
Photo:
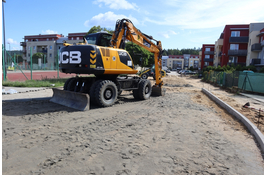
107,19
166,34
117,4
49,32
11,41
196,14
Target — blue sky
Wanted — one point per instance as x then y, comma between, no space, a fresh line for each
176,23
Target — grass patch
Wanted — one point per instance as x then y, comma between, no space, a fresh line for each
36,83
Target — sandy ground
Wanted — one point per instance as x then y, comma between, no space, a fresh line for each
183,132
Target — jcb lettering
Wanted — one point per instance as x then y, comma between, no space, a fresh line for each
72,57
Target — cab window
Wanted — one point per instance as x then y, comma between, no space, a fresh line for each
105,40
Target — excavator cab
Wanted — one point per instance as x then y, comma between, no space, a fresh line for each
99,39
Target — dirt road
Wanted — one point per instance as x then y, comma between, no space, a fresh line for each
181,133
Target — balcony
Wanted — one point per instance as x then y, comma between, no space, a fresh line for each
255,61
42,50
208,59
256,47
241,39
208,52
22,44
237,52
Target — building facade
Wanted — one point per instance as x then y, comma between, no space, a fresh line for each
255,54
49,45
185,61
240,45
207,55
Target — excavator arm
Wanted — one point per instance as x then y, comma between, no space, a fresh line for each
125,30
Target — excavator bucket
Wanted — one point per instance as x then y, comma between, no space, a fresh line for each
76,100
158,91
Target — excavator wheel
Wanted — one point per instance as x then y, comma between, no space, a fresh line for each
92,92
145,89
136,94
71,85
66,83
106,93
144,76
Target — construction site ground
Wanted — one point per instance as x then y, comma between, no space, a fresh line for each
183,132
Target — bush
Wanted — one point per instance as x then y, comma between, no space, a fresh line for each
219,68
261,70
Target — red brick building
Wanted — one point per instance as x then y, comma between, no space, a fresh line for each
207,55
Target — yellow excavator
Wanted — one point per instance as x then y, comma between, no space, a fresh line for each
103,55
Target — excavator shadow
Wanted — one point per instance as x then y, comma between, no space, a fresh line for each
38,106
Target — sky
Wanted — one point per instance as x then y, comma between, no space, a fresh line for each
178,24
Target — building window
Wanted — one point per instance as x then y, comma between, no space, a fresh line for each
206,63
50,55
50,47
207,56
72,38
47,39
233,60
29,47
34,47
235,34
234,46
77,38
207,49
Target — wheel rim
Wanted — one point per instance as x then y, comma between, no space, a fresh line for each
144,76
108,94
146,90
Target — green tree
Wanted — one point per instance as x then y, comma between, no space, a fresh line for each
96,29
140,55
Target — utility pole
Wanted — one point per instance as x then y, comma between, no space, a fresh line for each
3,1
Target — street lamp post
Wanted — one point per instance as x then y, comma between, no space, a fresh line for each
3,1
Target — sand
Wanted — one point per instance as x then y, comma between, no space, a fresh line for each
183,132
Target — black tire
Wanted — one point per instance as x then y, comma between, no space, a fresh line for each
92,92
71,85
106,93
136,94
66,83
145,89
144,76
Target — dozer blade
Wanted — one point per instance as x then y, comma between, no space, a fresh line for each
71,99
158,91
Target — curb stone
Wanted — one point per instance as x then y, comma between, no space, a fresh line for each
251,127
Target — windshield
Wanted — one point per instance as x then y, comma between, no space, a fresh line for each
91,39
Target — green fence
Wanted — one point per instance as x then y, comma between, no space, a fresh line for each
253,82
246,81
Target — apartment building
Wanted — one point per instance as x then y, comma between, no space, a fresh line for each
49,45
240,44
164,61
255,54
207,55
183,61
235,44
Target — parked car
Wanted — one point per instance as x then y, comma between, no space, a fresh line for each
188,72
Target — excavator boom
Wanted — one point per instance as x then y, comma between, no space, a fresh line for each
125,30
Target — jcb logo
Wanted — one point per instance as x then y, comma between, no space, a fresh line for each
72,57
